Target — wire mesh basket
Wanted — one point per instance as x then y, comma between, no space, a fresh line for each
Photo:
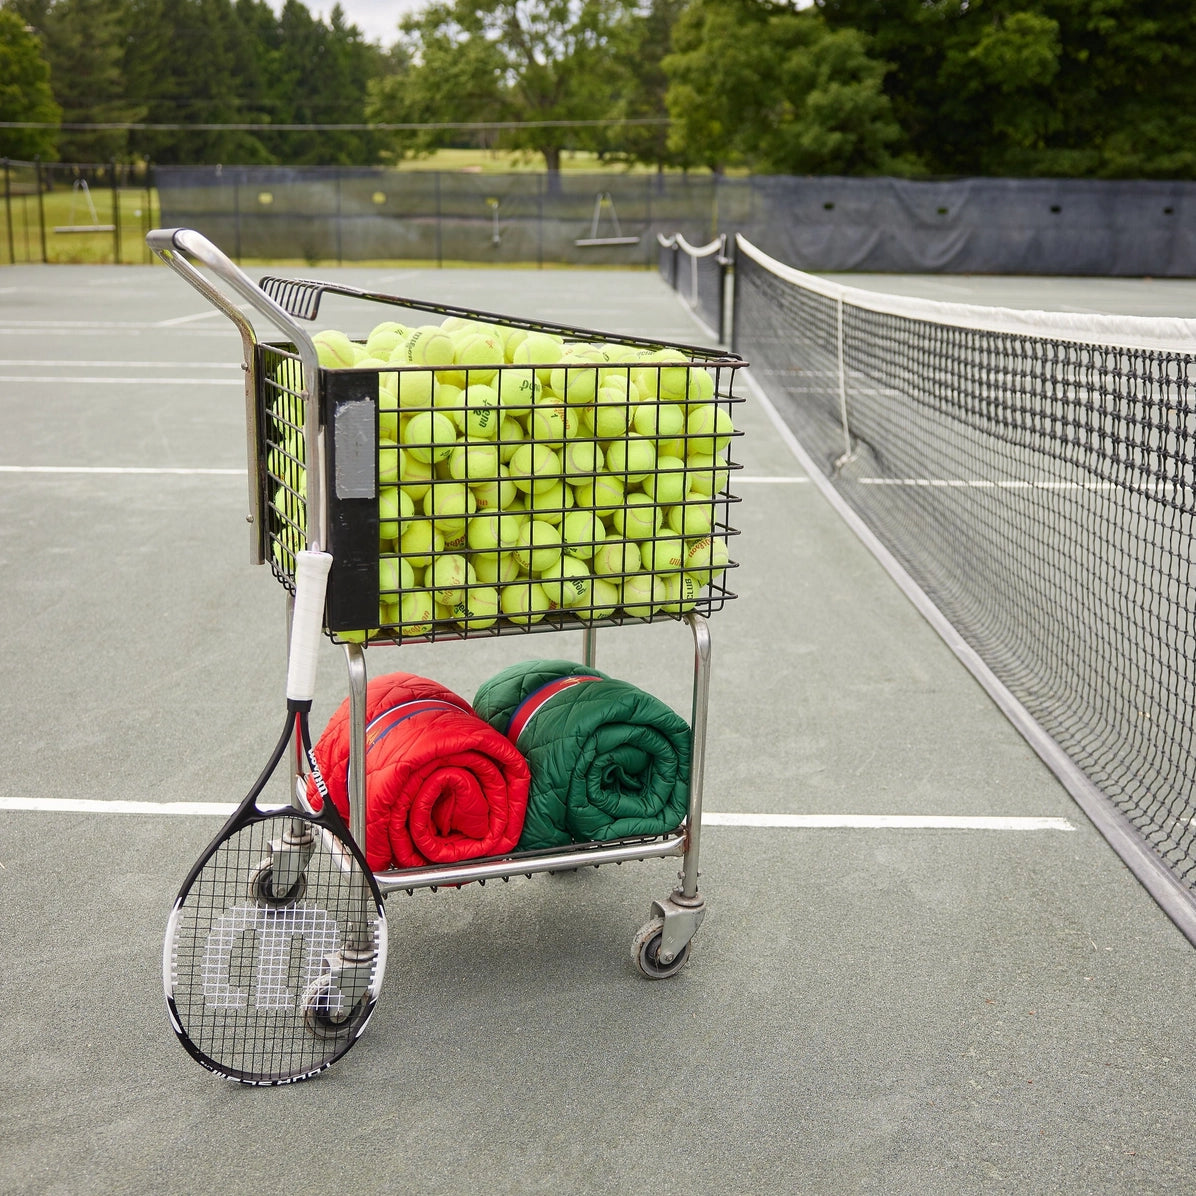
487,475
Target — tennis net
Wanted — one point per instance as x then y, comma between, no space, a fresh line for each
1034,474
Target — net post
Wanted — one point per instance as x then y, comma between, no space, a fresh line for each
842,370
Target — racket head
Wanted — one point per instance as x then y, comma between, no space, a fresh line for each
275,948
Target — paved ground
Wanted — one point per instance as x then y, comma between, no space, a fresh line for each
866,1010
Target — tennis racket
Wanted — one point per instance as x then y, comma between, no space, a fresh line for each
276,945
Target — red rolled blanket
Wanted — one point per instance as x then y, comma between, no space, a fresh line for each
441,784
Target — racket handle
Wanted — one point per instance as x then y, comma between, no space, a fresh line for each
307,622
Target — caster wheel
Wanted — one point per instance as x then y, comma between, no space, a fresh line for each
261,887
645,949
323,1010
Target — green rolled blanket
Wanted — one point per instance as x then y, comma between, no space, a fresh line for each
607,760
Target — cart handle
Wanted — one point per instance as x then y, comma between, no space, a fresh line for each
180,248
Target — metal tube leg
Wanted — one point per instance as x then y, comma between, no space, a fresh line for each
697,767
355,659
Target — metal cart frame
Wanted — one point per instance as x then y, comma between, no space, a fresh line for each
662,944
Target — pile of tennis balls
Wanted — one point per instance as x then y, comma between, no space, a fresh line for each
521,474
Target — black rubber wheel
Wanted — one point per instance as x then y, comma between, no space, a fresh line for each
646,949
261,887
318,1013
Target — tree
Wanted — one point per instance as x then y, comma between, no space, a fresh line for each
773,89
507,60
25,93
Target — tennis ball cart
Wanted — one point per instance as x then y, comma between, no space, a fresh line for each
422,472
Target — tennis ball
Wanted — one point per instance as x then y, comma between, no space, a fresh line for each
602,493
551,503
473,463
538,546
707,476
478,609
690,520
701,387
641,593
541,350
604,599
662,421
524,602
482,415
615,556
415,476
429,436
495,493
449,505
681,593
510,437
518,391
416,612
534,467
639,518
384,338
388,382
512,338
575,377
581,533
395,574
420,541
708,430
388,461
393,506
667,484
674,380
567,583
334,349
663,555
707,558
631,458
612,412
551,424
415,389
582,458
495,568
447,577
429,345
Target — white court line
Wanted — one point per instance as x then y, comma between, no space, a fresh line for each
132,469
986,484
81,805
134,365
61,378
749,481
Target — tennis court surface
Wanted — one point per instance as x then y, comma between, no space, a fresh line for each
922,969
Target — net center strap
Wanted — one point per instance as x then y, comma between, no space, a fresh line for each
538,699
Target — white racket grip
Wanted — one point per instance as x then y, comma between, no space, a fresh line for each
307,623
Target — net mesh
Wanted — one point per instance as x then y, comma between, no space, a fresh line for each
1037,485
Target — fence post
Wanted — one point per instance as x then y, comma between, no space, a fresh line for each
12,249
115,213
439,242
41,208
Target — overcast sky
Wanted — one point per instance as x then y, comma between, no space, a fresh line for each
377,19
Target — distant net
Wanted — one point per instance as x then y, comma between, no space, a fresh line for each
1035,474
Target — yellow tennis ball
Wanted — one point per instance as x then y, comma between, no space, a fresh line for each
604,600
429,436
552,503
477,354
534,467
538,546
388,461
681,593
690,520
567,583
495,493
615,556
631,458
663,555
447,577
414,389
429,345
707,475
395,575
478,609
420,541
581,533
524,602
613,409
393,506
667,484
449,505
416,612
708,430
581,458
662,421
518,391
334,350
707,558
639,518
602,493
541,350
641,593
473,463
576,377
415,476
482,415
384,338
551,424
495,568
